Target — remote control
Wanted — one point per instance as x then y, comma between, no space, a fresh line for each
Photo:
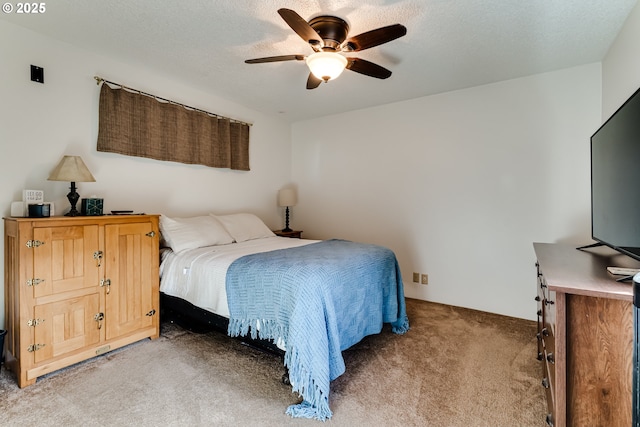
621,271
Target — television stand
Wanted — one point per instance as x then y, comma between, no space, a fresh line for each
585,337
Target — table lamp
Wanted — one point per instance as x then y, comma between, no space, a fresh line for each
72,169
286,198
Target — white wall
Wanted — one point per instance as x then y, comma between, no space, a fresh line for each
459,185
621,66
39,123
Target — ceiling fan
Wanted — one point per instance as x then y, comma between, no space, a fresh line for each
327,36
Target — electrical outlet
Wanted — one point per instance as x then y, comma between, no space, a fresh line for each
424,279
416,277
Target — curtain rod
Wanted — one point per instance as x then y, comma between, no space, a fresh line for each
101,80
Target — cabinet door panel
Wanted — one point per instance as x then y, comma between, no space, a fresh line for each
65,261
131,254
66,325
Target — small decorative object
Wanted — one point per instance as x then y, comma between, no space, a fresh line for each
73,169
287,197
29,197
39,210
32,196
92,206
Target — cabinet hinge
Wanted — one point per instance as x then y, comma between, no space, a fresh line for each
99,317
35,347
151,234
34,243
34,322
97,255
34,282
151,313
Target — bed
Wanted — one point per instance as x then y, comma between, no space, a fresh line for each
312,299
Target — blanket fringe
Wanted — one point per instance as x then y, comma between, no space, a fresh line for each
400,326
316,403
307,410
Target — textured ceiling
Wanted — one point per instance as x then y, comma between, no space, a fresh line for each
450,44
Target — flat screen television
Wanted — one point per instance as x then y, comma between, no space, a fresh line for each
615,180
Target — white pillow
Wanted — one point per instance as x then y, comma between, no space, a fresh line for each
194,232
244,226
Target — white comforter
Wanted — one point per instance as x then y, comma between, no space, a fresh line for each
198,275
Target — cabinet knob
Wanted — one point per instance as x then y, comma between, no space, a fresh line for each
537,298
545,332
545,382
551,358
540,356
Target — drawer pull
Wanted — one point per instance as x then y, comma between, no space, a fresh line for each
545,382
549,420
540,356
551,358
545,332
548,302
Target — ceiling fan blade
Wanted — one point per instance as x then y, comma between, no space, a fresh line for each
374,38
367,68
275,59
302,28
313,82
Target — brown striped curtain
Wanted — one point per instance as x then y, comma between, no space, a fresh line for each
138,125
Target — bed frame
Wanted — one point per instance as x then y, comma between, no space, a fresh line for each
199,320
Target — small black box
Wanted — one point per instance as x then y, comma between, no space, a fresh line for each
91,207
40,210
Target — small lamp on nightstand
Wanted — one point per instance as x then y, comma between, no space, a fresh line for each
286,198
72,169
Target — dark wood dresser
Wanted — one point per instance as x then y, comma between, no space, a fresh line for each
585,336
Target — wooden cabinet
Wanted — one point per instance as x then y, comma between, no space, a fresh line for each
585,333
77,287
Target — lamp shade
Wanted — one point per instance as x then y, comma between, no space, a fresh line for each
326,65
71,169
287,197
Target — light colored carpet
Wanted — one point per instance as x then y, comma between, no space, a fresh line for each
455,367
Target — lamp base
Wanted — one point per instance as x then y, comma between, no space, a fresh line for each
73,197
286,224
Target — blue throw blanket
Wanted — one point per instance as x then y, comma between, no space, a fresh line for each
320,299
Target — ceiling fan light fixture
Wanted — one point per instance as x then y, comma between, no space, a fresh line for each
326,65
